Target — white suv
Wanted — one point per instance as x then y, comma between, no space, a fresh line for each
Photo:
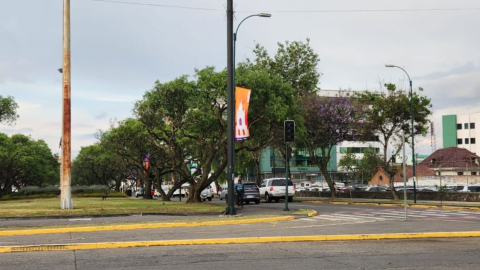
206,194
274,189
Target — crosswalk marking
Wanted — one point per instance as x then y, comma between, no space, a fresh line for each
389,215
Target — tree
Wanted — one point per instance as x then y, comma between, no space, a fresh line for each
388,115
26,162
328,121
363,168
96,165
295,63
131,142
8,108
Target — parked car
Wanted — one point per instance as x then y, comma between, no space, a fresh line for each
274,189
474,188
206,194
376,189
345,189
140,192
252,193
223,193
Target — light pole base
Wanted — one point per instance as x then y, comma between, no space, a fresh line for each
230,210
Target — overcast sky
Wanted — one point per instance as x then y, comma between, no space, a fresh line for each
120,50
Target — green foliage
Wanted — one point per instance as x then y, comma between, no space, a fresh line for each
388,114
95,165
26,162
363,168
294,62
8,110
101,194
90,189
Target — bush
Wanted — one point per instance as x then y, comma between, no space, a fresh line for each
113,194
89,189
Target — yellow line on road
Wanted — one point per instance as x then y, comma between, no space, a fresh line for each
144,226
244,240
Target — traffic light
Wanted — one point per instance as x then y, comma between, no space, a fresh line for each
289,127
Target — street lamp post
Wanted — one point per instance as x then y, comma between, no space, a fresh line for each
231,40
413,140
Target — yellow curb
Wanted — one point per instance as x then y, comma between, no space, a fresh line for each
369,204
308,238
316,202
423,206
342,203
143,226
460,208
312,213
389,204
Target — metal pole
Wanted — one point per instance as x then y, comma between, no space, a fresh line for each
65,182
230,110
413,134
413,144
287,172
404,176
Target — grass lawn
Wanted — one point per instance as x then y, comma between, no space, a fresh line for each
96,206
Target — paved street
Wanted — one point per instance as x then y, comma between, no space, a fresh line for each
425,254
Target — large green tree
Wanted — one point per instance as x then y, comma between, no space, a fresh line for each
388,115
26,162
95,165
131,142
295,63
8,110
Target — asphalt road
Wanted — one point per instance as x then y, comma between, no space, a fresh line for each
422,254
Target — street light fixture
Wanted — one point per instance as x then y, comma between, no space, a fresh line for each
413,139
264,15
231,40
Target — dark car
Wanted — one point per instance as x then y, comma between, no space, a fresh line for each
252,193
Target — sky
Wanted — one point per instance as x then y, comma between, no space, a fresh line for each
118,51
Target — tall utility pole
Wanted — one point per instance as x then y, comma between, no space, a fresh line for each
65,181
230,111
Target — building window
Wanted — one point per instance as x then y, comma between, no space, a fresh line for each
459,126
474,173
472,140
433,161
380,177
466,140
465,126
472,125
459,141
459,173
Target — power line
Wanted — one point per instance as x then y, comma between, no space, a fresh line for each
293,11
155,5
366,10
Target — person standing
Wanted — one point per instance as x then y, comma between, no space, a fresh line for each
239,192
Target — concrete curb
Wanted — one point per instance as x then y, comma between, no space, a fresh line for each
243,240
143,226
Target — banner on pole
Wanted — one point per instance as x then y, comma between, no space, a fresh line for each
242,99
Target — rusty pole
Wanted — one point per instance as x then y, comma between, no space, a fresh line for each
65,181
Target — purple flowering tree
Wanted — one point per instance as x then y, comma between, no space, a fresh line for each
328,121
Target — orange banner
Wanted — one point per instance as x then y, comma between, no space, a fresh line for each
242,99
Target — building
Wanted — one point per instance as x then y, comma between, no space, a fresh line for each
455,165
424,175
459,131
